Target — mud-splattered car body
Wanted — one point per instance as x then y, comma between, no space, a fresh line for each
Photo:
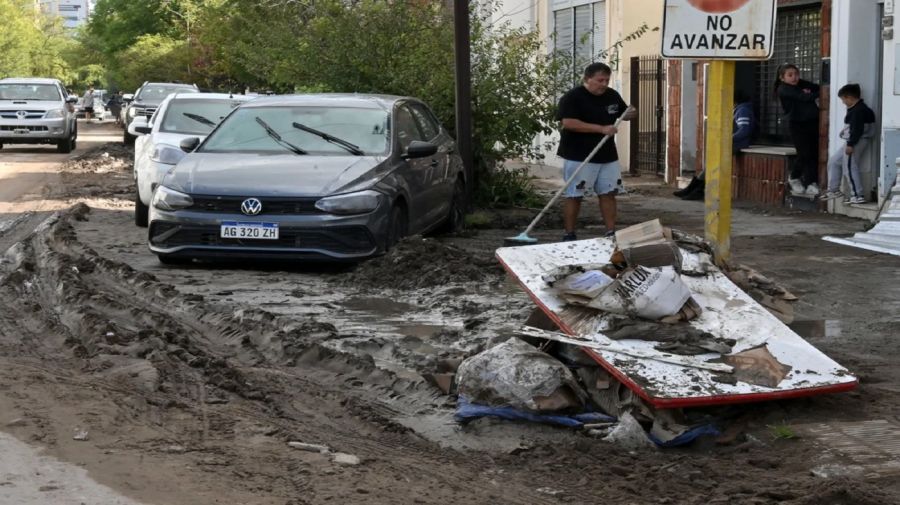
337,176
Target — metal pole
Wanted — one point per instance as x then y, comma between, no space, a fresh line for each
463,71
720,90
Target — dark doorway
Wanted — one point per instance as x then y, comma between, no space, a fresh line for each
648,131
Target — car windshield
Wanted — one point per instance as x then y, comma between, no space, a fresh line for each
241,132
195,117
47,92
153,93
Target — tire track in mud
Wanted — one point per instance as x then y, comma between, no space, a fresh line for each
220,365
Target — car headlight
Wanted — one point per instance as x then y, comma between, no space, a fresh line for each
55,114
168,199
351,203
167,155
132,111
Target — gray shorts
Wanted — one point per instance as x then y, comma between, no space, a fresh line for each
594,178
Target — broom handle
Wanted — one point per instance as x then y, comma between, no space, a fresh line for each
574,175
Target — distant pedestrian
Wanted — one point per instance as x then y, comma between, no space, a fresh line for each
743,126
115,106
859,128
799,102
587,114
87,103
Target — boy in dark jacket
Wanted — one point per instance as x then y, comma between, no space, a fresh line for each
859,128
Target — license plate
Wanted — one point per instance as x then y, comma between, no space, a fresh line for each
242,230
22,130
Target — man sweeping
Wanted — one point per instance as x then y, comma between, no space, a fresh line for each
587,113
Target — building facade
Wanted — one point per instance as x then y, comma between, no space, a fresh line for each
74,13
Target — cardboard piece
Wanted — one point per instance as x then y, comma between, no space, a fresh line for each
650,293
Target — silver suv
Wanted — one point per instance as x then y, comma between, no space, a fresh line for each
37,111
147,99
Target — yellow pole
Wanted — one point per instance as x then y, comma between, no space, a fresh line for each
719,119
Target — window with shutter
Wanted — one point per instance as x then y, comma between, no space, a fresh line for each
580,33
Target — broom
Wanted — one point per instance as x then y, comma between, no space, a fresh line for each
523,238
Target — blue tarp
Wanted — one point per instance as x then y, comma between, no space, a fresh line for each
467,411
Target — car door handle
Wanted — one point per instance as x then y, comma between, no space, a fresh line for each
434,163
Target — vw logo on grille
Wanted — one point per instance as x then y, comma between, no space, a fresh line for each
251,206
22,114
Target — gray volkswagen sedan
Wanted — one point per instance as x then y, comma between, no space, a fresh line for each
305,177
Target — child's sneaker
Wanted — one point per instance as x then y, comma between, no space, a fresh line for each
796,186
610,234
857,200
812,190
568,237
830,195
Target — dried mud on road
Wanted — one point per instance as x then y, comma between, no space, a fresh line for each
189,382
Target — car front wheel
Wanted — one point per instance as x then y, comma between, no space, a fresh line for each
397,228
65,146
141,211
456,218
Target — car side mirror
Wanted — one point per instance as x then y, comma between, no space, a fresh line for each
189,144
139,126
71,99
127,97
419,149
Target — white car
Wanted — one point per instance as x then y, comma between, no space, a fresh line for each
156,149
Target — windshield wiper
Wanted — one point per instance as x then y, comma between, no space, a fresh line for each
199,119
277,138
353,148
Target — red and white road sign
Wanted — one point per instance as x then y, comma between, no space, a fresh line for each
719,29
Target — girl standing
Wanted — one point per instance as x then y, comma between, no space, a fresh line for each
799,102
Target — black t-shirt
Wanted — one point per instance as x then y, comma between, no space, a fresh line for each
579,103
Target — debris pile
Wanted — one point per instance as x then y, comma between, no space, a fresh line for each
633,332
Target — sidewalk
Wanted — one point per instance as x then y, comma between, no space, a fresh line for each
29,478
649,197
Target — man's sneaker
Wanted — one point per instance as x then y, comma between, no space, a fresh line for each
857,200
568,237
813,189
830,195
796,186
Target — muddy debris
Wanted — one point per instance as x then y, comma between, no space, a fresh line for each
110,157
422,262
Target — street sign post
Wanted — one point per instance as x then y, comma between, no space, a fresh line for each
722,31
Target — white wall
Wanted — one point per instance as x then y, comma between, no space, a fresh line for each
855,44
890,112
518,13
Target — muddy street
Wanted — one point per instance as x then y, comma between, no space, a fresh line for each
188,383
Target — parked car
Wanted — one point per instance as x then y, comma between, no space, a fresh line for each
145,101
336,177
37,111
156,151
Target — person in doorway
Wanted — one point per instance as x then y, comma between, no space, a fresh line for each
587,113
799,101
859,128
87,103
115,106
743,126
